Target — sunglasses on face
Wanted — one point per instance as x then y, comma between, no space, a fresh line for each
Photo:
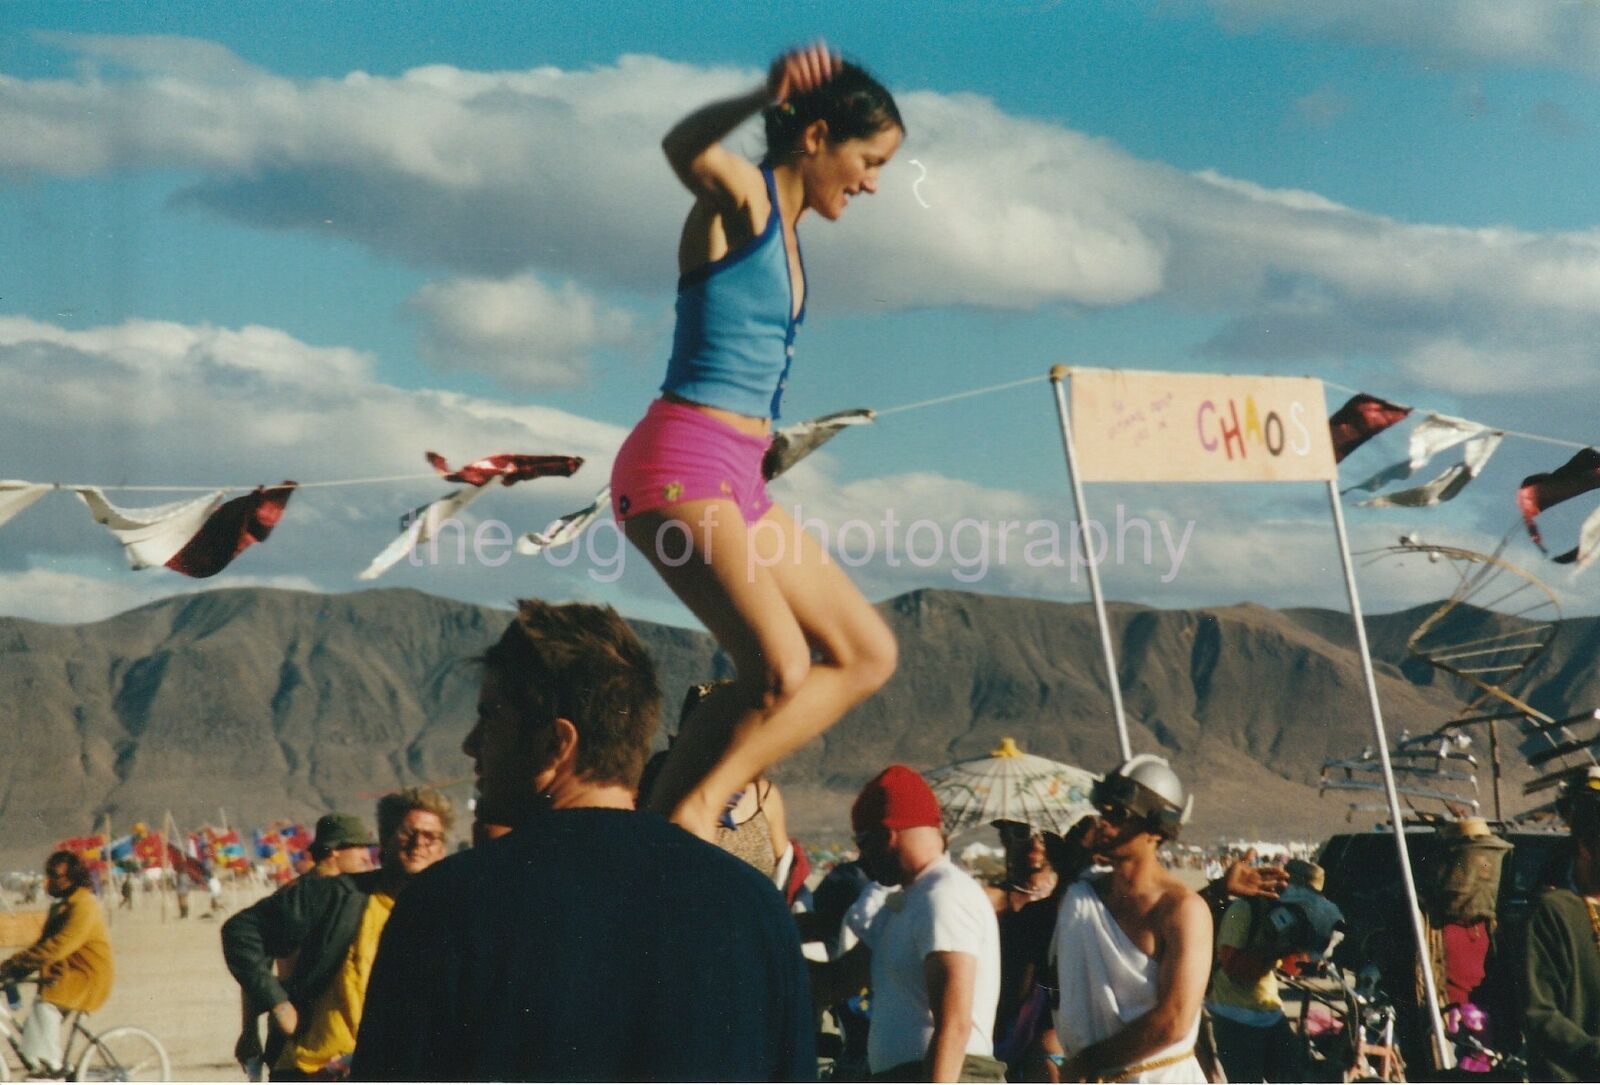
871,838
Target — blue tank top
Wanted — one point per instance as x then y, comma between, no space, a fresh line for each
735,334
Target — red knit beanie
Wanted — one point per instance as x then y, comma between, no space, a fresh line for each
897,798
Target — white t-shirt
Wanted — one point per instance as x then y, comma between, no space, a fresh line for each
860,915
943,911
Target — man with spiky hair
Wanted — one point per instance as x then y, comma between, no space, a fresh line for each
593,941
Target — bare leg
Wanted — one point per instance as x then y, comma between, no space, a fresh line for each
770,596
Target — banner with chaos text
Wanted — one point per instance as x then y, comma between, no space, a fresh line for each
1133,426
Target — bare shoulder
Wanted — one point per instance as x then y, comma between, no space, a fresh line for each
1181,906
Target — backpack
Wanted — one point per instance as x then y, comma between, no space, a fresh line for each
1466,880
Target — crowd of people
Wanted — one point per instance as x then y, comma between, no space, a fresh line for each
583,937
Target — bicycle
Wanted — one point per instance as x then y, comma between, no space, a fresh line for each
123,1053
1357,1042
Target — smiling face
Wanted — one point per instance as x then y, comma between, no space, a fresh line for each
835,172
417,843
1024,849
1120,834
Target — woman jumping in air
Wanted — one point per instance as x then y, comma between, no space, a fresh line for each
687,485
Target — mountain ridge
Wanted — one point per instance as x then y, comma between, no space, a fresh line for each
278,703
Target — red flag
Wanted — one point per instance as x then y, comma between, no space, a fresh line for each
185,865
226,534
1362,418
508,467
1539,492
799,871
147,849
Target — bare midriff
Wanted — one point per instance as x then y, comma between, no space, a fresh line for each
744,423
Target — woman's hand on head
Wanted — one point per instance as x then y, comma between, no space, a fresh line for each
801,70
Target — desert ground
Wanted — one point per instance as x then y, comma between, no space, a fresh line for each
171,981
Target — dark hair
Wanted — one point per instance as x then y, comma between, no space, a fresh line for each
77,873
393,808
854,104
581,663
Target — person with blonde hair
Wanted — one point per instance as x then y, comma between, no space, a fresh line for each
331,925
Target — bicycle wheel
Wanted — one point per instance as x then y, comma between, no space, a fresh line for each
124,1053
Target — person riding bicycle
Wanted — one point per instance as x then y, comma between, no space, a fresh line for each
72,958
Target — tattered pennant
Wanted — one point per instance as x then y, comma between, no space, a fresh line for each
233,528
1361,418
509,467
1539,492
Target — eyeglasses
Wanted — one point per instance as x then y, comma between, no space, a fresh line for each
425,837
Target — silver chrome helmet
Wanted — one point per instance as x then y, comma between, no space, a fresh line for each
1147,788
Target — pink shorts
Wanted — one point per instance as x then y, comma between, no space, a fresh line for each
677,453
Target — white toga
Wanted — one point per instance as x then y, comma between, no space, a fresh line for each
1106,981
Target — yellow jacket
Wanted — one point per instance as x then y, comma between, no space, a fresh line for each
72,955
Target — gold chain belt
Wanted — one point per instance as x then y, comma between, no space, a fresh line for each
1129,1072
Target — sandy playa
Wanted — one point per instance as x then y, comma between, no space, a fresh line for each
171,981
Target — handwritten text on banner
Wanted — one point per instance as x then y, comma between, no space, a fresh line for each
1132,426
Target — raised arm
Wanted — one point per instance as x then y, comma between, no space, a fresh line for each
694,146
1185,932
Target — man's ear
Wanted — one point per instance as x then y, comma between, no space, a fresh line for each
560,756
564,745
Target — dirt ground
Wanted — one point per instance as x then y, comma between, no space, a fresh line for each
171,981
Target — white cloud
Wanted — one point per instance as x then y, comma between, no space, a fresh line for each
163,403
520,331
148,404
556,173
49,595
1163,546
1565,35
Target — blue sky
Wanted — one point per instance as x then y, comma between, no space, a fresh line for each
248,242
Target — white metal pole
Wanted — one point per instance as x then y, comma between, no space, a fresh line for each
1424,956
1057,375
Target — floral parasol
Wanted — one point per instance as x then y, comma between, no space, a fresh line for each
1015,786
